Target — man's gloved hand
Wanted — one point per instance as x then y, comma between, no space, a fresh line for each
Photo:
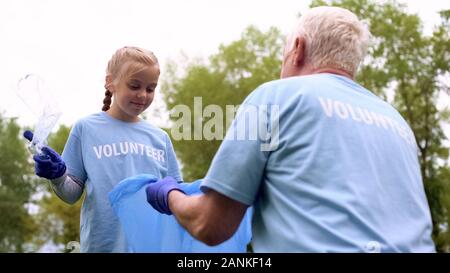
158,193
49,165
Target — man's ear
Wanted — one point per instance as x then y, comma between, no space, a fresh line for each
299,51
109,83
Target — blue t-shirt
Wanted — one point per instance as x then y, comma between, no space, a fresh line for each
101,151
335,170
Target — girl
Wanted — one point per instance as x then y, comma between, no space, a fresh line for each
107,147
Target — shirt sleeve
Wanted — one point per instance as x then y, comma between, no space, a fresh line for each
73,154
172,163
238,167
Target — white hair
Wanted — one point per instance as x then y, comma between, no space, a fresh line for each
334,38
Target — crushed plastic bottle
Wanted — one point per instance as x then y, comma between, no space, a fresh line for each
36,95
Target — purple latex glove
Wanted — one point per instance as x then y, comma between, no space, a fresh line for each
158,193
49,165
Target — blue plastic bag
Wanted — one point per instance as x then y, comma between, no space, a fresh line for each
147,230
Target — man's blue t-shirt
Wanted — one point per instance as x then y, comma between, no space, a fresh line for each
335,169
101,151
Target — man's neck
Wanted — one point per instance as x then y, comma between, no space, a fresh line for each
308,70
333,71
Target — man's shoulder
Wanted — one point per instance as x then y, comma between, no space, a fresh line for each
296,82
282,88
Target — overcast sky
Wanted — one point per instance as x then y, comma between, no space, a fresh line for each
69,43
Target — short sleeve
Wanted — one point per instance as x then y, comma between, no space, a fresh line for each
73,154
238,167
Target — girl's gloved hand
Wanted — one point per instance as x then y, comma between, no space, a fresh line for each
49,165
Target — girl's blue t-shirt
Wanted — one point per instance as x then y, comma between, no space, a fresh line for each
101,151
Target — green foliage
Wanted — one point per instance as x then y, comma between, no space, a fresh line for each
229,76
16,189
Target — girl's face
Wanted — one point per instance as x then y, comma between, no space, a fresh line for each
134,94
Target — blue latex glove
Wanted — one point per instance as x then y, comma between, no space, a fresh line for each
49,165
158,193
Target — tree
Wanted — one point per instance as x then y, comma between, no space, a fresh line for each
412,65
59,221
227,78
16,188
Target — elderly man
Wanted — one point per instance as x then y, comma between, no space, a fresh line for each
343,174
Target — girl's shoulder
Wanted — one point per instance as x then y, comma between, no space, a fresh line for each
92,118
101,121
86,122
